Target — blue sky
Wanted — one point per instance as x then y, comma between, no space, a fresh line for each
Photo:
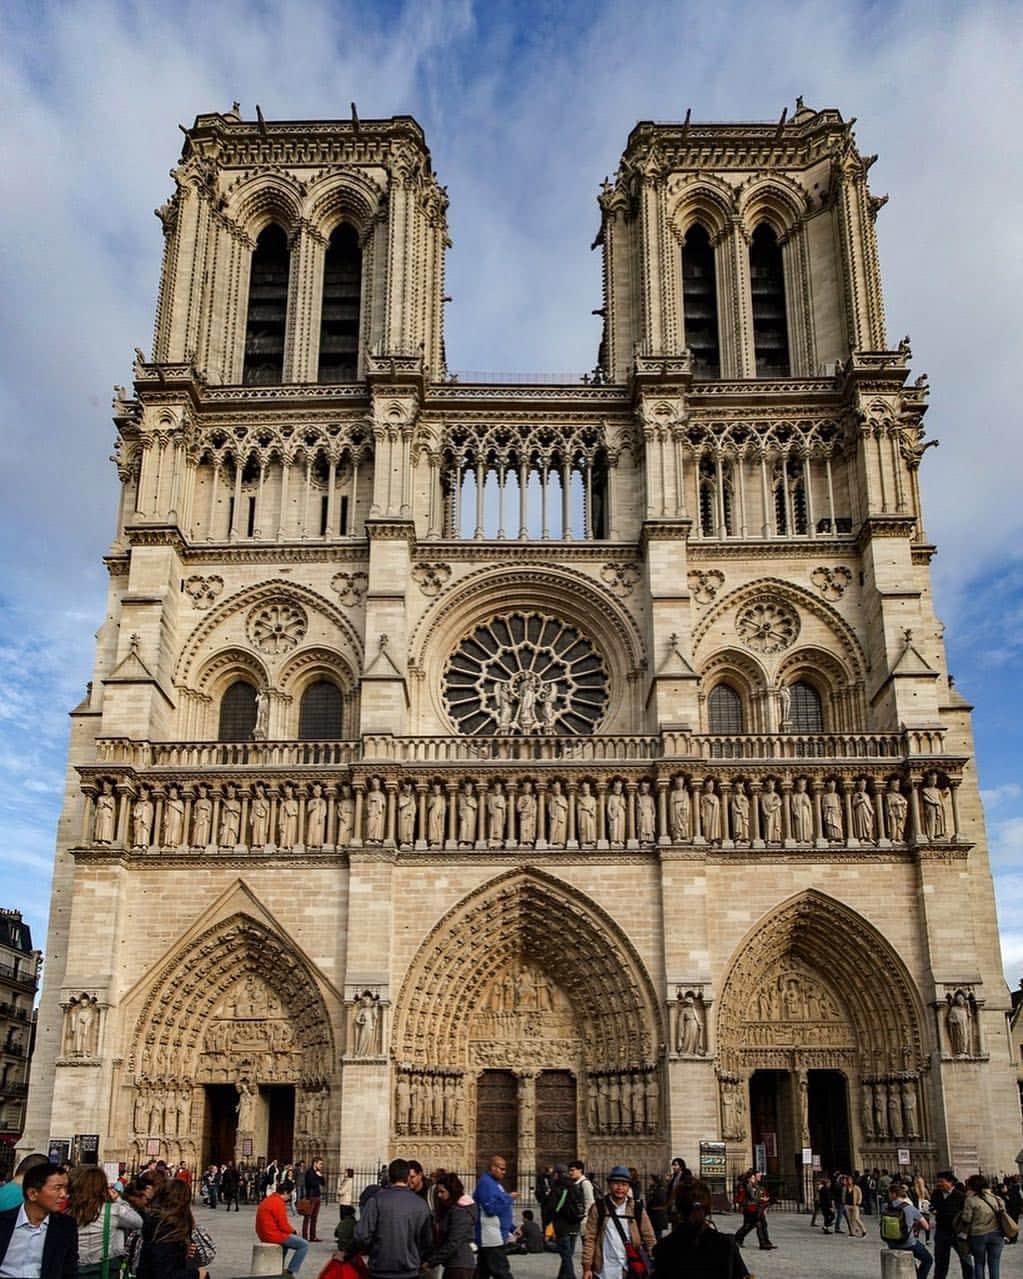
526,107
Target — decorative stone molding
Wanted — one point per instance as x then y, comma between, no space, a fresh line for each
705,584
621,576
277,628
831,582
431,578
203,591
767,625
350,587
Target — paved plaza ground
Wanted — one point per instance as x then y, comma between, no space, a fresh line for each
802,1253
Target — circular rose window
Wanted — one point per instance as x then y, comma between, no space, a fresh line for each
525,673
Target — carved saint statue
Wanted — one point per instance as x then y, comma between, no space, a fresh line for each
959,1023
403,1102
770,809
862,812
880,1112
933,808
246,1106
406,815
287,819
586,815
802,813
740,814
525,704
525,809
804,1107
784,708
497,813
690,1033
909,1109
202,818
376,812
896,807
894,1111
259,818
679,809
106,816
866,1111
262,724
468,812
364,1023
652,1103
316,818
616,815
831,813
710,813
729,1111
82,1024
345,817
557,815
436,811
230,817
141,820
173,818
646,814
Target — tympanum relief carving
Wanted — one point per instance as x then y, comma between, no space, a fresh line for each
523,1017
792,1008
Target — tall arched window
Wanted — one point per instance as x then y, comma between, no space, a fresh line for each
237,713
805,714
267,316
700,302
724,710
767,286
319,717
342,295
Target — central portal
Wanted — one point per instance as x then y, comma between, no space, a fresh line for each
497,1121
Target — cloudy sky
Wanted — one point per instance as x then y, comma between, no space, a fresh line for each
526,107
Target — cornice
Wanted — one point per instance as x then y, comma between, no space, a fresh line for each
159,858
390,529
876,526
772,548
520,553
338,552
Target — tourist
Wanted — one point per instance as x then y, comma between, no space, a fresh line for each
346,1187
852,1197
230,1180
167,1236
838,1198
695,1246
544,1186
314,1183
211,1185
901,1222
614,1220
344,1231
36,1238
754,1211
979,1223
271,1176
826,1199
103,1219
657,1204
10,1192
947,1202
395,1231
455,1229
274,1226
577,1173
529,1236
566,1212
494,1227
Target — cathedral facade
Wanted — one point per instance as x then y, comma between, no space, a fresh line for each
549,768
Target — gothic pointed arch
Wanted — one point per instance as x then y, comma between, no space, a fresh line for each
527,917
780,998
772,198
265,198
705,199
347,196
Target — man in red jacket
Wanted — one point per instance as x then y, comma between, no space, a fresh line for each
274,1226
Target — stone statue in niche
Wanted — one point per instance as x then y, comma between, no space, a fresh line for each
436,812
784,708
202,818
802,813
437,1105
259,732
345,817
287,818
894,1111
403,1102
646,814
862,813
525,809
740,814
586,815
376,812
497,813
525,704
866,1111
557,815
679,810
406,815
81,1027
365,1020
259,817
710,813
173,818
615,808
880,1112
246,1106
141,819
896,807
770,808
105,823
831,813
468,816
230,818
910,1116
689,1039
733,1127
959,1024
933,802
316,818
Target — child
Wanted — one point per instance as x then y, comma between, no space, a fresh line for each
344,1231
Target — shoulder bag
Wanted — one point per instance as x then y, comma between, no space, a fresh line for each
1006,1224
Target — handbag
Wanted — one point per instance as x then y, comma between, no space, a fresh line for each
1006,1224
205,1248
303,1207
638,1263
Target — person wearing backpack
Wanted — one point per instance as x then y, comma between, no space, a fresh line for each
900,1222
565,1211
617,1231
982,1224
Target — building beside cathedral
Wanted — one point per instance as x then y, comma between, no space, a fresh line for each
548,768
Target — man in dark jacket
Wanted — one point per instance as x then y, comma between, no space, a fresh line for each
395,1230
565,1210
37,1239
946,1202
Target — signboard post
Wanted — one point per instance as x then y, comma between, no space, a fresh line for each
59,1150
88,1147
903,1158
714,1173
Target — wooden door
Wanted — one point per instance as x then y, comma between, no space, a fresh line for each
556,1136
497,1122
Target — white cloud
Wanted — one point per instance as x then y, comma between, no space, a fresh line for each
996,796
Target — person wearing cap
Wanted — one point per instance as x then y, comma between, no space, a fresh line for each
612,1222
565,1211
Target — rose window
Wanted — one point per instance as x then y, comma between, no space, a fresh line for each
277,628
767,625
525,673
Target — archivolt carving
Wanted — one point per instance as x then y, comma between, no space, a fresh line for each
705,199
266,197
307,662
230,662
773,198
522,925
350,196
780,969
272,592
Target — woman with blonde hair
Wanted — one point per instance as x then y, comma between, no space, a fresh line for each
104,1221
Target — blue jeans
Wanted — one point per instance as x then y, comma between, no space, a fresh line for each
840,1216
300,1247
566,1249
920,1252
944,1246
987,1252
